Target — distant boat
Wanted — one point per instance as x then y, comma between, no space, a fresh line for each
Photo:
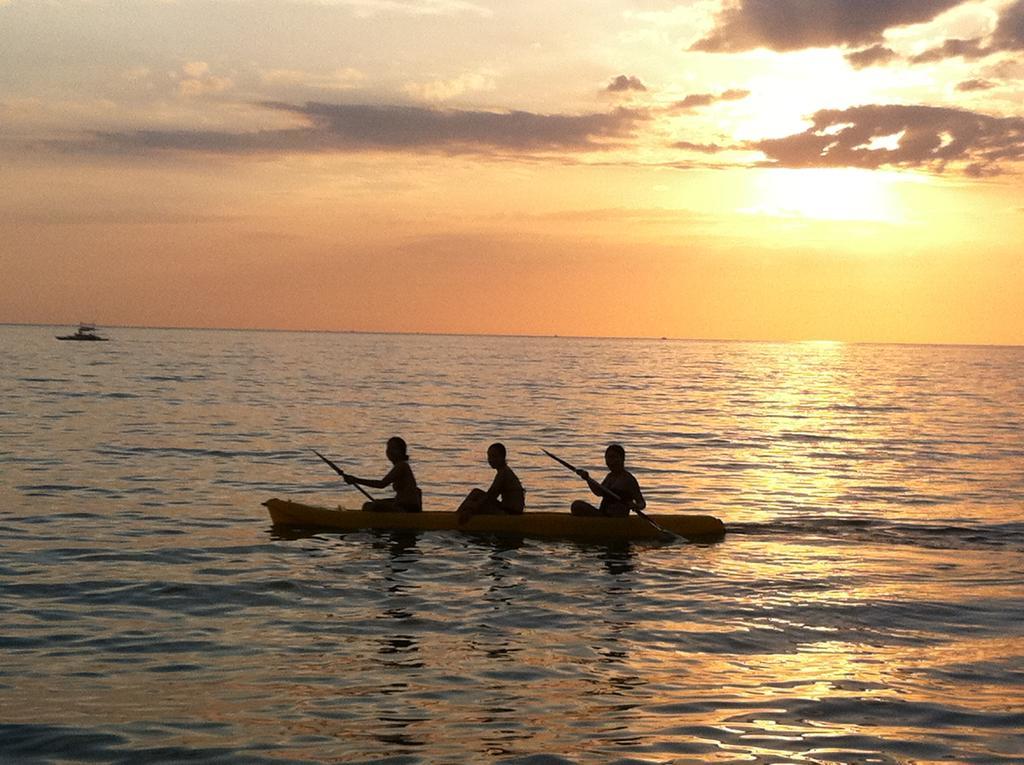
84,332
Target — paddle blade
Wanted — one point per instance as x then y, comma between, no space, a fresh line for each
664,532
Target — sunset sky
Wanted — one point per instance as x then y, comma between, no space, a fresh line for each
759,169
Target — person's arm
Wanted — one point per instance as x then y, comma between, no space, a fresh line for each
357,481
496,486
638,496
595,487
375,483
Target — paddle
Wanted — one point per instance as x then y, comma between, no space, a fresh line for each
341,472
608,492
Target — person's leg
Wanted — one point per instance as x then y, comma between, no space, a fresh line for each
380,506
490,506
472,501
615,510
579,507
475,503
509,509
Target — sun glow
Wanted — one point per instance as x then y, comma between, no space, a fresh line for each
842,194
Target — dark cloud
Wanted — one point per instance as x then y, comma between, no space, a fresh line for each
1009,34
930,137
969,85
697,100
873,56
363,127
623,84
794,24
704,148
1007,37
693,101
952,48
1007,69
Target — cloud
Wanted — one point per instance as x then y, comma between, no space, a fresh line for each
970,85
704,148
368,8
367,127
1008,36
784,25
346,78
697,100
873,56
196,80
623,84
1007,69
443,90
952,48
126,217
619,214
874,136
195,69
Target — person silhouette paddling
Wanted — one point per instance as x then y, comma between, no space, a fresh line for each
408,497
619,491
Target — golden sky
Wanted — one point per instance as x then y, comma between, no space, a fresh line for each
753,169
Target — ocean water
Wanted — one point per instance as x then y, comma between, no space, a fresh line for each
865,606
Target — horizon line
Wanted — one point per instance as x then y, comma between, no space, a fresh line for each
521,335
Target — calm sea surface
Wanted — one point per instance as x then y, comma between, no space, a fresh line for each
865,607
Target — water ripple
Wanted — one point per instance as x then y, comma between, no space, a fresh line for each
862,608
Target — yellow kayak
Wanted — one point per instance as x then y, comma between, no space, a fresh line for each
560,525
